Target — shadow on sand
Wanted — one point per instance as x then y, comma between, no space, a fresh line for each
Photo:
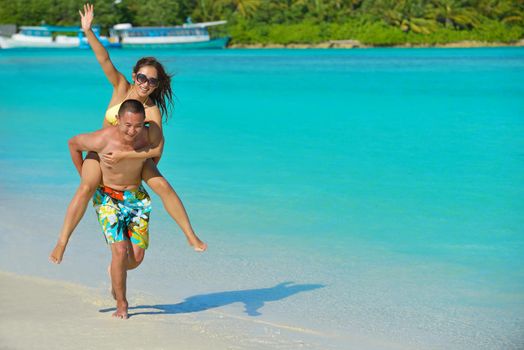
253,300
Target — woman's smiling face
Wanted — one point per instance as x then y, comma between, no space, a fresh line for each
146,80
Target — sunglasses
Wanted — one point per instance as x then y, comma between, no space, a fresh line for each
142,79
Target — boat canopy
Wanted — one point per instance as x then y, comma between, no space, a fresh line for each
163,31
203,24
48,30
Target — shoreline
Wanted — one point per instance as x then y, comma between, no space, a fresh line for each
355,44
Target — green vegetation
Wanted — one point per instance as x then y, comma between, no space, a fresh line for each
373,22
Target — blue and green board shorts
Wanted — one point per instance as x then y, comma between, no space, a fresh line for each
123,215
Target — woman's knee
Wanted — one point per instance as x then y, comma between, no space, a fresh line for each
87,189
160,186
91,172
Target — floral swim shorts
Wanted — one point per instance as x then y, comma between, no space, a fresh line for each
123,214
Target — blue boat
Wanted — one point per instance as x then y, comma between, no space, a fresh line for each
186,36
52,37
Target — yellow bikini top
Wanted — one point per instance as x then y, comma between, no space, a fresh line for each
112,111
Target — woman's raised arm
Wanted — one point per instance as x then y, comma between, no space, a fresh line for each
102,56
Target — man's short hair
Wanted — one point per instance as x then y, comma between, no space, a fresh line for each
132,106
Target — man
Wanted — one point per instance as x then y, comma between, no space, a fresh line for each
121,203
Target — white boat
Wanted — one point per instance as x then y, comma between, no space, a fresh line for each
50,37
189,35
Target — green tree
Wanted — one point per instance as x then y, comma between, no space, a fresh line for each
407,15
310,9
65,12
244,8
506,11
454,13
9,13
208,10
340,10
107,13
275,11
381,22
34,12
154,12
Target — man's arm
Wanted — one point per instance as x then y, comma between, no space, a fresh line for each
150,151
94,141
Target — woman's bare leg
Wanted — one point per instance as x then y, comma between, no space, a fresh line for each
91,177
172,203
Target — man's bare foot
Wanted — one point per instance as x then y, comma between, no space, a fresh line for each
111,281
197,244
121,310
57,253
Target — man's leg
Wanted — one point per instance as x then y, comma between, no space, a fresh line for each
135,255
139,205
119,263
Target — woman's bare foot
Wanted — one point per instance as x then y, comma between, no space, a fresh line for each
197,244
121,310
111,281
57,253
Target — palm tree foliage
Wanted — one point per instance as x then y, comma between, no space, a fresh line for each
507,11
313,20
408,16
454,13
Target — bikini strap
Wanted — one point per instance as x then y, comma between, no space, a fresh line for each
129,93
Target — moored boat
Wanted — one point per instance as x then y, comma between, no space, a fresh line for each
51,37
186,36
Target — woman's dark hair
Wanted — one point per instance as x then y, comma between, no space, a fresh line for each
163,95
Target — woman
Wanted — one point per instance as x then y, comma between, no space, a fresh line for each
152,86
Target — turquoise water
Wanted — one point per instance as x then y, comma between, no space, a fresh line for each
387,182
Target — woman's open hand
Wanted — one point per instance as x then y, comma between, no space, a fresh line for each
87,17
112,158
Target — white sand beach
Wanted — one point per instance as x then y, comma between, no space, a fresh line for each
38,313
42,314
